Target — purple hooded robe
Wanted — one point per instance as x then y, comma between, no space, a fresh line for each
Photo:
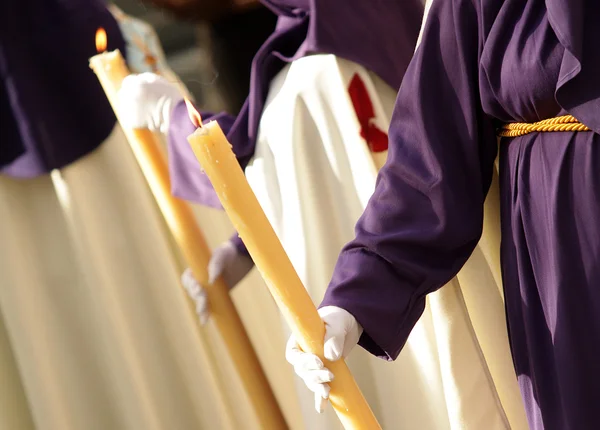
304,27
482,63
52,107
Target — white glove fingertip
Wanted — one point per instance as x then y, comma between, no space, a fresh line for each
323,376
292,350
190,284
201,303
215,269
321,390
321,398
203,314
164,128
316,378
320,403
186,276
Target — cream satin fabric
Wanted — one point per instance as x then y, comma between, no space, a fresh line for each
97,333
95,330
314,174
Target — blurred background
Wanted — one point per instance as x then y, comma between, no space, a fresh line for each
185,44
209,43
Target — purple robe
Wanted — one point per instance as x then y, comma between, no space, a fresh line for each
482,63
377,34
52,108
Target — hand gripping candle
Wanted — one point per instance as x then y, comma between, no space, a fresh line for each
222,168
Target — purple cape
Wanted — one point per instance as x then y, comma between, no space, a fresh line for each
52,108
482,63
378,34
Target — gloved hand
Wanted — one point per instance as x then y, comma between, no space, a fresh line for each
147,101
226,261
197,294
342,333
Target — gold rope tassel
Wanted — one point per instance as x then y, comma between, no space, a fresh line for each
560,123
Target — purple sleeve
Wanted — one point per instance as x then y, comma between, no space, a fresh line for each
425,217
187,179
239,244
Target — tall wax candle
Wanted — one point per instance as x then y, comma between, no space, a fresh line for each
218,161
111,69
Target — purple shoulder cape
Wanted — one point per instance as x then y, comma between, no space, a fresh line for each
378,34
52,108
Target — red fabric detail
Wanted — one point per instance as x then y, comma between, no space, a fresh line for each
377,139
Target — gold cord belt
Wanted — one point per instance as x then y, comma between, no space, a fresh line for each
560,123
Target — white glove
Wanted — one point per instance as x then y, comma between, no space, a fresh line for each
228,262
147,101
342,332
197,294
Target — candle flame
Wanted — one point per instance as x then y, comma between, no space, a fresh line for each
193,113
101,40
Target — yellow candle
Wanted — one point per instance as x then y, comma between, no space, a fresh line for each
218,161
111,69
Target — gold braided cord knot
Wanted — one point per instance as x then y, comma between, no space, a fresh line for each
560,123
